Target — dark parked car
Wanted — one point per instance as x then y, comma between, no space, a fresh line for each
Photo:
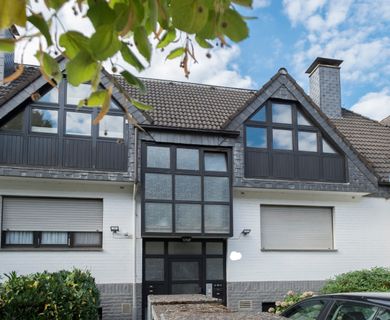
343,306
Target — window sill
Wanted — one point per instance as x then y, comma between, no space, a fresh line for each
299,250
50,249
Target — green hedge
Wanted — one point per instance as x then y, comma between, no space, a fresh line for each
375,279
61,295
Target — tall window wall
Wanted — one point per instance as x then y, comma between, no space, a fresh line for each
186,190
53,131
282,142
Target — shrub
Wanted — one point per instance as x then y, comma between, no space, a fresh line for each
375,279
290,298
61,295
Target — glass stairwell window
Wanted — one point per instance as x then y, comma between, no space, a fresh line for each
186,190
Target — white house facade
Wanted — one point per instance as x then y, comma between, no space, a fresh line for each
238,194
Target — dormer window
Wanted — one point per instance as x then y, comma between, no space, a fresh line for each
281,141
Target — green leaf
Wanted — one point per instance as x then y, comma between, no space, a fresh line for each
7,45
74,42
142,42
121,13
49,66
104,42
210,30
95,81
162,13
100,13
203,43
81,68
55,4
135,16
233,26
244,3
12,12
189,15
140,105
167,38
96,99
105,106
151,13
130,57
176,53
133,80
39,22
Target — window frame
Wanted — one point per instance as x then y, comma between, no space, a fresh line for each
88,136
173,171
37,236
269,152
332,226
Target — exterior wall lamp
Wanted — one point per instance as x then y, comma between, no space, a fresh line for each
114,229
245,232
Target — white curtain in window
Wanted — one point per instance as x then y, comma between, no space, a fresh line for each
86,239
54,238
18,237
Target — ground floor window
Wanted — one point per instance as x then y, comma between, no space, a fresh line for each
296,228
31,222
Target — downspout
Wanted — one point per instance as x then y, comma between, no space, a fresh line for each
135,185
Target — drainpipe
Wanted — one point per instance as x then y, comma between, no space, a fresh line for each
135,185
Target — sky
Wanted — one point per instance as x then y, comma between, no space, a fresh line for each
291,34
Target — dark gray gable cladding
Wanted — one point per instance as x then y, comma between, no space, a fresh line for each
17,95
31,81
283,86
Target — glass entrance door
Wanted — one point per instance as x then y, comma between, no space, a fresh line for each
171,266
185,276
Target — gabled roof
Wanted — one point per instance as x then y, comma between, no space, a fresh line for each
189,105
9,90
196,106
370,138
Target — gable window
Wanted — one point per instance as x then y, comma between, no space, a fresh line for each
111,127
78,123
296,228
59,134
282,142
75,94
44,120
51,223
186,190
50,97
15,124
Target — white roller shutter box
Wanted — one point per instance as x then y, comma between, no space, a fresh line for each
296,228
52,214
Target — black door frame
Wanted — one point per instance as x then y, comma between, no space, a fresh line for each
164,287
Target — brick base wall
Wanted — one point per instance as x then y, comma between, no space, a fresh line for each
267,291
116,300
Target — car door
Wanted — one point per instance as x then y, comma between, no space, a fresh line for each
352,310
311,309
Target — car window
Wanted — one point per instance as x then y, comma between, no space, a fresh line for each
383,315
307,310
347,310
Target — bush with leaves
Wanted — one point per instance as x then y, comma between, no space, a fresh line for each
64,295
290,298
375,279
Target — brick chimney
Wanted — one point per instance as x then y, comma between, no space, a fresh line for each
325,88
6,59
